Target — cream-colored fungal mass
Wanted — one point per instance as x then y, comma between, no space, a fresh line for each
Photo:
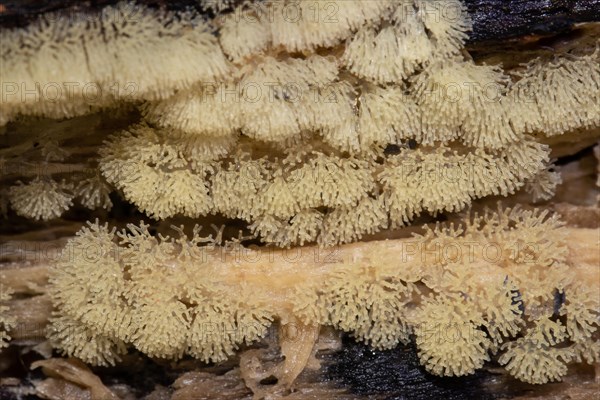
170,296
7,322
309,125
380,73
383,74
41,198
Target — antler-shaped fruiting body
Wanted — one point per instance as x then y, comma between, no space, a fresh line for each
379,73
466,292
325,197
42,198
558,96
354,117
125,53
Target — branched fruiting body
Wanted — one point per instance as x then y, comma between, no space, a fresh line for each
173,296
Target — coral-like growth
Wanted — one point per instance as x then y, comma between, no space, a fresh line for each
387,116
6,322
438,179
557,96
416,35
582,310
462,100
242,35
312,122
306,25
161,179
205,112
349,223
379,56
533,358
189,295
353,196
126,52
93,192
355,124
502,312
448,338
42,198
110,295
448,24
543,185
369,306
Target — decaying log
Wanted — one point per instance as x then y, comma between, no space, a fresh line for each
283,270
356,371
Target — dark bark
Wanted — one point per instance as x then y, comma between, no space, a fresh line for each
502,19
397,374
493,19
